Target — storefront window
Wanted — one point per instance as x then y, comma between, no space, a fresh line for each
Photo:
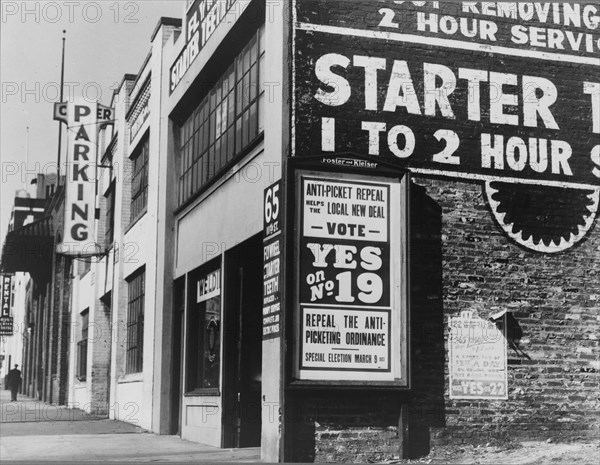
226,121
204,331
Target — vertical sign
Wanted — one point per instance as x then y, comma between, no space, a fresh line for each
6,294
6,321
477,359
272,262
350,310
83,119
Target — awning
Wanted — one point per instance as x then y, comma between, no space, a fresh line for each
29,248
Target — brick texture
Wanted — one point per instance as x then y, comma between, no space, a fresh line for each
461,260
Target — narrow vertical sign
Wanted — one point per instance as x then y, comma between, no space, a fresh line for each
83,120
272,262
6,321
6,294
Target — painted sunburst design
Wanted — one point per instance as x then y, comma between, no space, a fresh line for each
541,218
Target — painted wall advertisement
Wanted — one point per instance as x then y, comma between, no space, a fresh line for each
6,321
202,19
83,120
478,361
349,308
505,94
272,262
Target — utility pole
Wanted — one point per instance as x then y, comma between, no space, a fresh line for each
62,85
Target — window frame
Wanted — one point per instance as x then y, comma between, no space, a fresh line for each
226,123
134,347
139,193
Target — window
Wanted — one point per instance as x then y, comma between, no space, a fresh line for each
227,120
82,346
139,180
135,322
204,331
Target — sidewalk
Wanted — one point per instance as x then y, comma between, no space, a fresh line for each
34,431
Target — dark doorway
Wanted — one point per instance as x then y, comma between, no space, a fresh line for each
243,345
178,313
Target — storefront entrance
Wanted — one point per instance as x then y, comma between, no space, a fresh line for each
243,345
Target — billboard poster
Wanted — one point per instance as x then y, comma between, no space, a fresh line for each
272,264
349,311
478,360
504,94
83,120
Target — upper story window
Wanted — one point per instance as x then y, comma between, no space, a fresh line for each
109,219
139,180
226,121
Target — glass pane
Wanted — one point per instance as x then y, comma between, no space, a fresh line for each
246,90
230,143
196,177
212,101
212,342
238,135
211,161
205,137
218,121
246,59
253,129
205,172
238,97
261,113
218,156
230,109
231,78
245,133
253,82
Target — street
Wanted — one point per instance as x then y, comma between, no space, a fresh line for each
33,431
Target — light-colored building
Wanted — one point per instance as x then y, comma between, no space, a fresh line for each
226,127
114,309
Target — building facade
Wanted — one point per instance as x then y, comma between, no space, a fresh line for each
491,173
341,231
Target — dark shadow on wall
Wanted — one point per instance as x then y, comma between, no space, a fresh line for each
426,398
332,425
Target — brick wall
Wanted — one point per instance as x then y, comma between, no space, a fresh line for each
99,344
461,260
553,298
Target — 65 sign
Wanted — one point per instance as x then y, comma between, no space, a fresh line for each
271,209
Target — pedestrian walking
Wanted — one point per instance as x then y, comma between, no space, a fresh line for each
14,382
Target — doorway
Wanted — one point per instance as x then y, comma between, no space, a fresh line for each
242,368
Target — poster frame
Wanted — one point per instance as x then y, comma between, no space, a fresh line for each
347,167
